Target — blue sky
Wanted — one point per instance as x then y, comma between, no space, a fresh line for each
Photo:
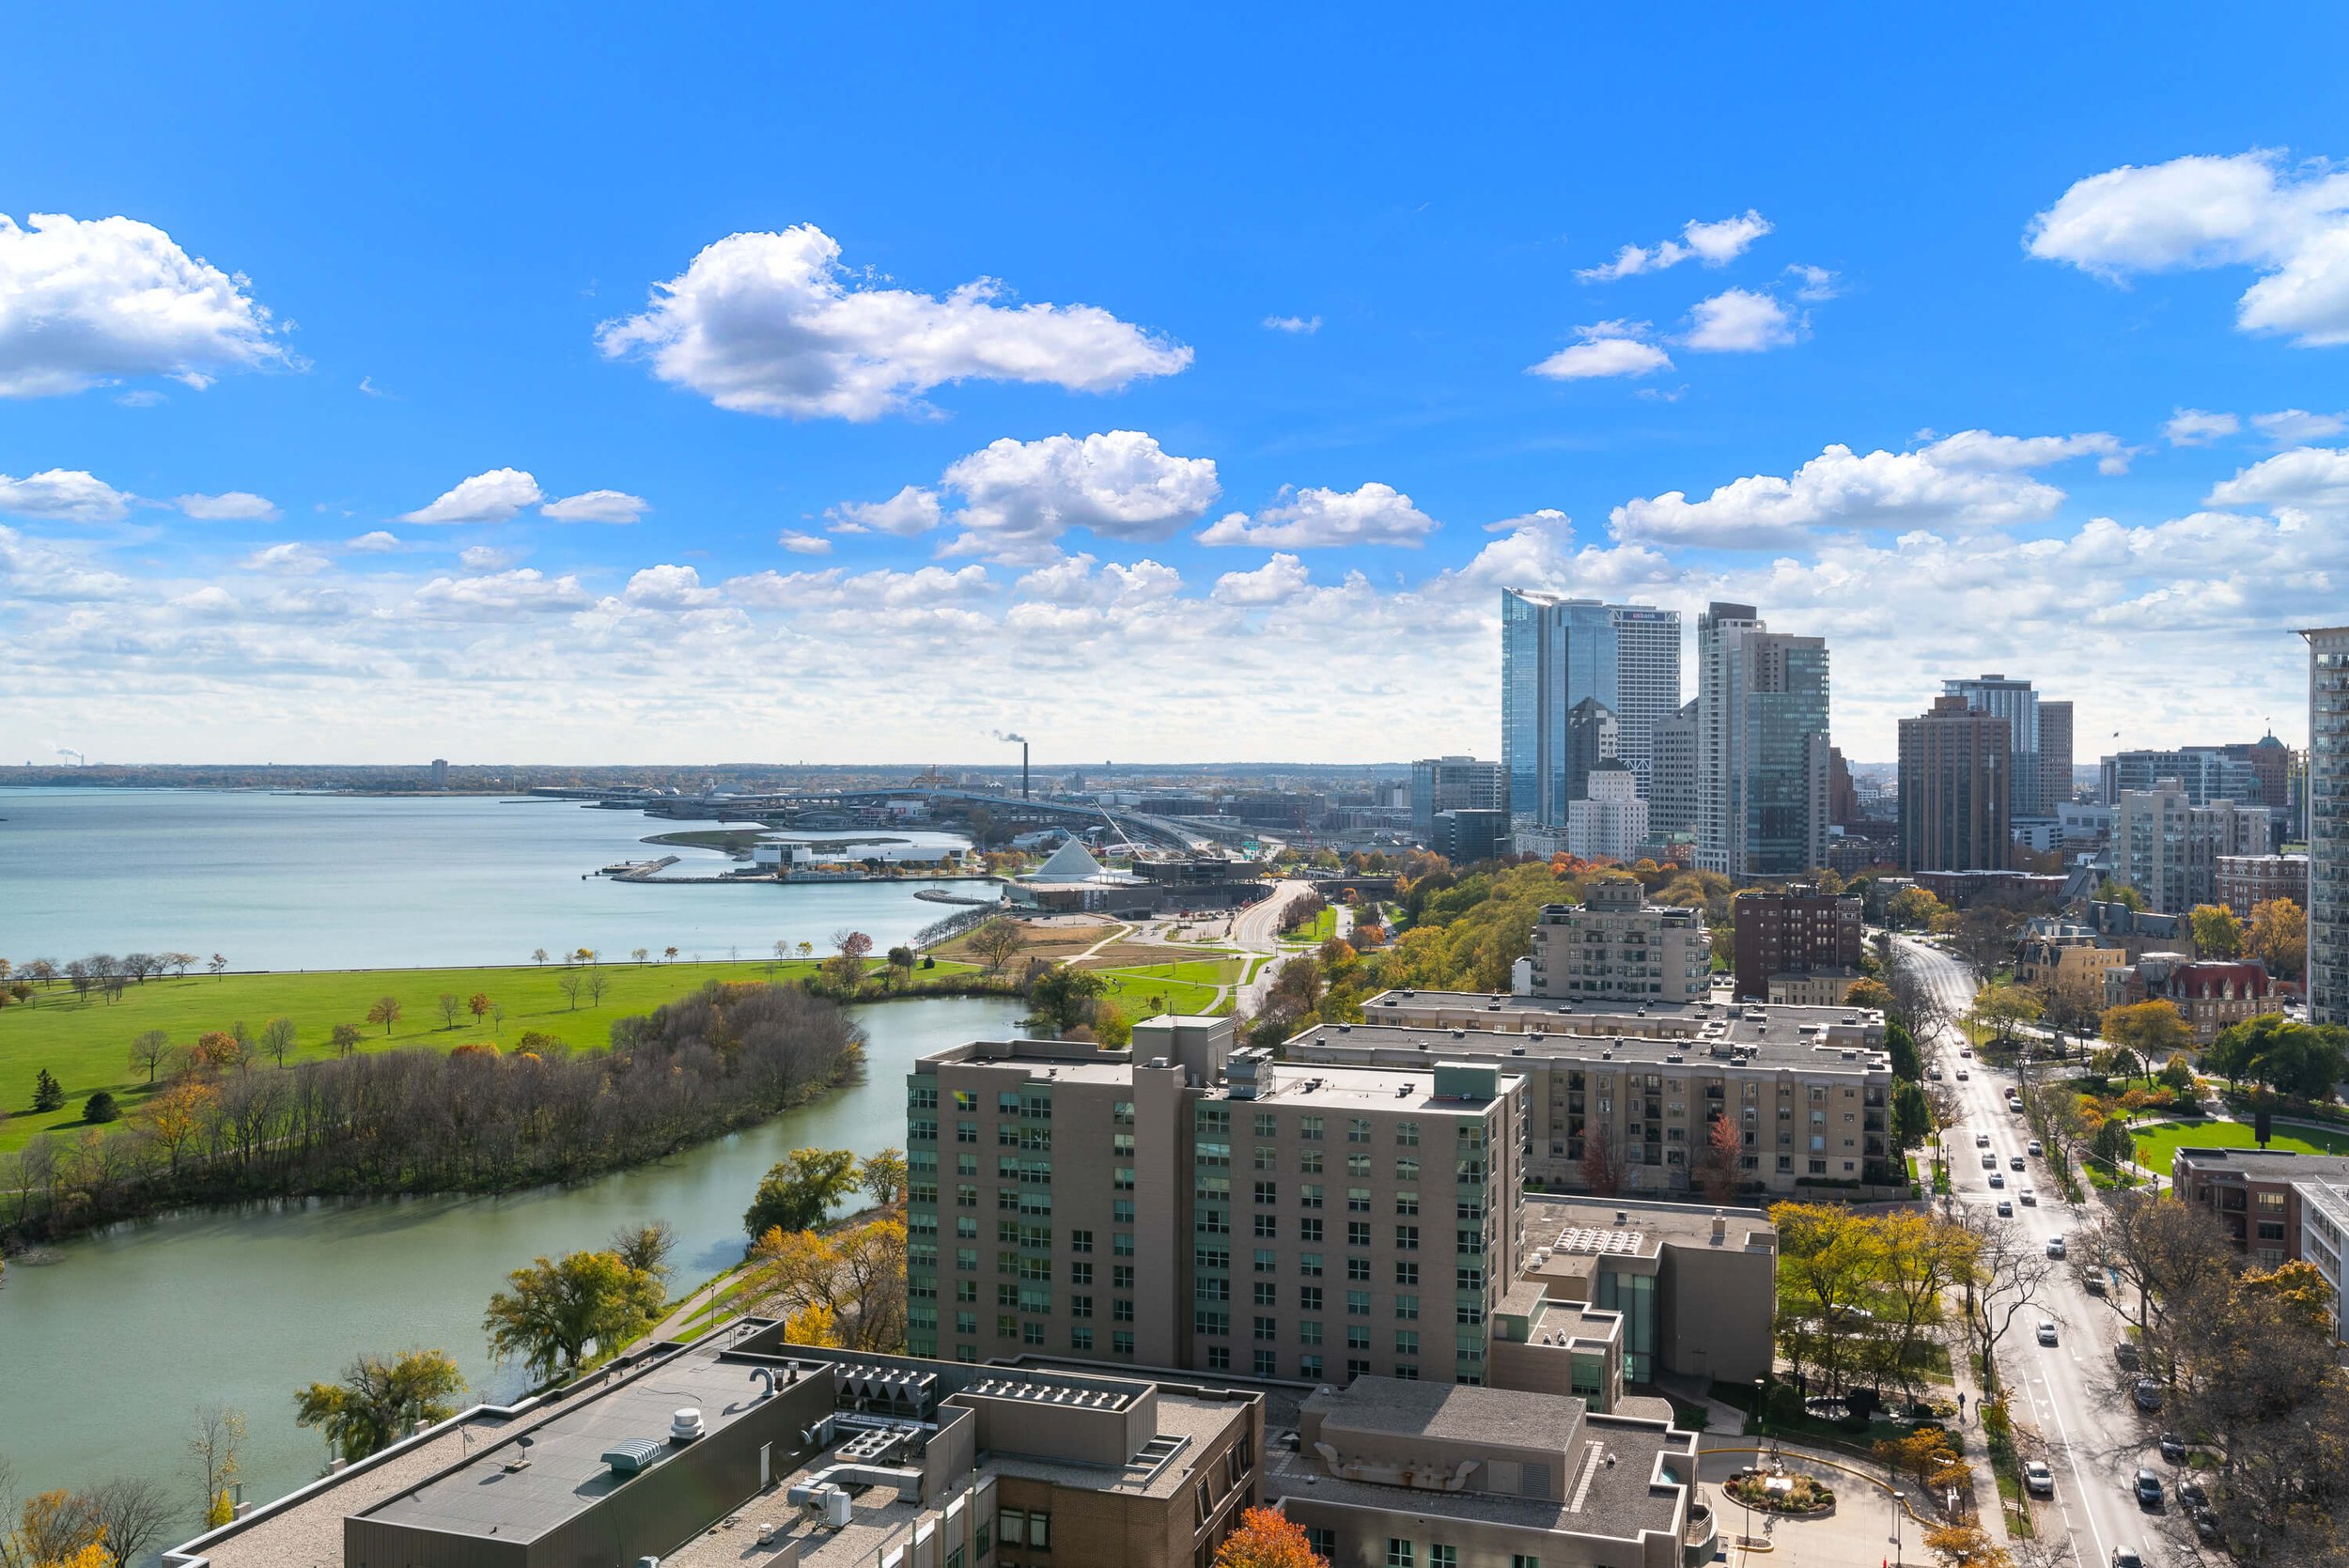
1212,469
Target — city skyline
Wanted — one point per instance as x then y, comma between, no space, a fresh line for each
707,446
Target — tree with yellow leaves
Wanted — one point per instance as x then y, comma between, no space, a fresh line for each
855,1276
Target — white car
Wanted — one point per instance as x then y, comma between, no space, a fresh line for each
2034,1150
2046,1330
1961,1075
2030,1196
2038,1479
1981,1141
2055,1247
1990,1162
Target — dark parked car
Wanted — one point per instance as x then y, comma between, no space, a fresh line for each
2206,1527
2192,1493
2174,1448
2148,1395
2148,1489
2125,1353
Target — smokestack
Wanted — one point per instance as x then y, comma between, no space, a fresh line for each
1023,771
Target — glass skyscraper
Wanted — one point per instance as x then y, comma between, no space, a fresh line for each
2328,795
1761,720
1556,652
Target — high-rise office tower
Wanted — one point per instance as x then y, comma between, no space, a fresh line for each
2040,740
2327,793
1761,746
1955,788
1593,736
1454,783
1556,652
1674,793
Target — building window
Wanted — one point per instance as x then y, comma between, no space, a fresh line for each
1080,1339
1406,1238
1309,1368
1122,1342
1406,1308
1264,1364
1219,1358
1443,1557
1323,1541
1406,1134
1406,1274
1267,1226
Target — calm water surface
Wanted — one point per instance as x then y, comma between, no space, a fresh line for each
106,1353
321,881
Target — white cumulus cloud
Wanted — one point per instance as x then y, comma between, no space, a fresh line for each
1301,324
492,497
84,302
525,589
1715,245
1281,578
1072,582
2199,427
229,506
2297,427
486,558
68,495
2290,225
774,324
291,557
803,544
669,587
912,510
1606,349
1737,321
595,507
1967,483
2316,477
1019,496
1375,514
376,541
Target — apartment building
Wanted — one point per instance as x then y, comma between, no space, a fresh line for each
1796,939
1958,776
747,1446
1608,1110
1610,822
2040,739
2168,847
1616,945
1391,1474
2243,882
2254,1194
1675,795
1761,746
1181,1205
2327,803
2210,995
2325,1236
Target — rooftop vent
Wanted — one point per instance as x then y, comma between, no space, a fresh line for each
634,1457
686,1426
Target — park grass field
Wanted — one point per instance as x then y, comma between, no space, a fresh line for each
1316,931
86,1042
2157,1142
1190,986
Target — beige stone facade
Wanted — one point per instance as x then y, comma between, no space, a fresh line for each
1617,946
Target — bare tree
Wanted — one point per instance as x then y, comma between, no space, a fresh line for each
148,1050
569,982
135,1511
452,1007
997,942
2006,1274
277,1039
2171,1253
598,983
1602,1161
216,1452
218,965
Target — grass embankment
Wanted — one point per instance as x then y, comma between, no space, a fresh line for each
1316,931
1188,986
86,1042
2158,1141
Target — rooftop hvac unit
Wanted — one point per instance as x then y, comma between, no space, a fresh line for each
634,1457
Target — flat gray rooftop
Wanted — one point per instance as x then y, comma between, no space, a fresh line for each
1549,1215
1458,1413
566,1474
1782,1050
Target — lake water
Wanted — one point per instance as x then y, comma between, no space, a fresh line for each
106,1353
323,882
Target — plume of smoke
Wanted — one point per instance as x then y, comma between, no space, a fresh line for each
1011,739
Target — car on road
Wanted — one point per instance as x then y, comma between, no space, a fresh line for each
1997,1178
2147,1394
2192,1493
1981,1141
1963,1077
2206,1526
2148,1488
2034,1150
2031,1197
2125,1353
2125,1556
2094,1284
2055,1249
2006,1210
2015,1162
1989,1162
2038,1479
1965,1051
2174,1448
2046,1330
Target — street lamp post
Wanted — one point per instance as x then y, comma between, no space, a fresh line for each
1899,1505
1761,1420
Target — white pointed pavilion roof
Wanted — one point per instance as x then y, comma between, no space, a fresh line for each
1070,862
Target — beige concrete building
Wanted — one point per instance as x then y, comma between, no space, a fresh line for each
1809,1089
1743,1023
1695,1289
1389,1474
1181,1205
1617,946
708,1455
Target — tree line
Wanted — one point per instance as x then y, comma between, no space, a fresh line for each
474,1119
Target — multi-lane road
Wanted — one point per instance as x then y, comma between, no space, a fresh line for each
2073,1393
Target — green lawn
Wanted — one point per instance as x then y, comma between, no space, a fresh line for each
86,1042
1316,930
1190,986
2158,1141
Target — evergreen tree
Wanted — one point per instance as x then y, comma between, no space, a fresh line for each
48,1095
